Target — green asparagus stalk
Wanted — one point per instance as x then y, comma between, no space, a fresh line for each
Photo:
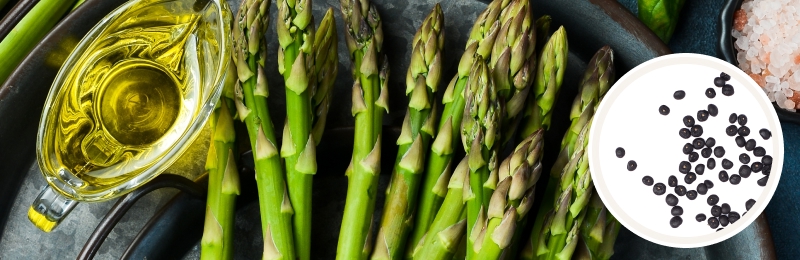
597,79
223,179
513,63
598,232
512,199
29,31
434,189
326,60
549,74
448,228
418,128
369,101
297,56
249,54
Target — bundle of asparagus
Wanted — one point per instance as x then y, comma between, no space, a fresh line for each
418,128
557,229
306,63
250,54
370,100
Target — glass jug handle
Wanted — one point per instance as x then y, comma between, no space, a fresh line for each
49,208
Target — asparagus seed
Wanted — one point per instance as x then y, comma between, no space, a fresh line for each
659,189
679,95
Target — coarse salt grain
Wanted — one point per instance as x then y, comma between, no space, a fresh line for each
767,34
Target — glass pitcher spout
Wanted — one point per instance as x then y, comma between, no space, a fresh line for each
49,208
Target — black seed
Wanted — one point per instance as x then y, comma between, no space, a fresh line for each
727,164
677,211
712,200
688,121
692,194
711,142
767,169
620,152
715,211
685,167
749,204
679,94
744,131
727,90
706,152
685,133
712,110
731,130
766,134
759,151
733,217
680,190
659,189
663,109
719,152
711,163
699,169
647,180
700,217
766,159
723,220
719,82
723,176
750,145
757,166
702,115
710,93
739,141
724,76
763,181
743,158
693,157
708,184
732,118
672,181
631,165
702,189
745,171
697,130
735,179
698,143
675,222
713,222
689,178
742,119
672,200
726,208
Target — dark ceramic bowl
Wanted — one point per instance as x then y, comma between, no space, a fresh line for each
174,230
728,50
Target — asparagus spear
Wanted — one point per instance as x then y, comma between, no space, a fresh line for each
549,74
370,99
326,60
418,129
448,228
598,232
512,199
513,62
433,192
223,179
597,79
251,104
297,55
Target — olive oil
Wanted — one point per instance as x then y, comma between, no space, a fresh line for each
131,96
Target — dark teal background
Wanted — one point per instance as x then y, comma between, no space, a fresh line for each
696,33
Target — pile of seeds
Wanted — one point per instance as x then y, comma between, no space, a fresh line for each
698,146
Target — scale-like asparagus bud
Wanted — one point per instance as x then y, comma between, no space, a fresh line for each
326,64
512,199
433,191
249,53
422,81
370,100
549,74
